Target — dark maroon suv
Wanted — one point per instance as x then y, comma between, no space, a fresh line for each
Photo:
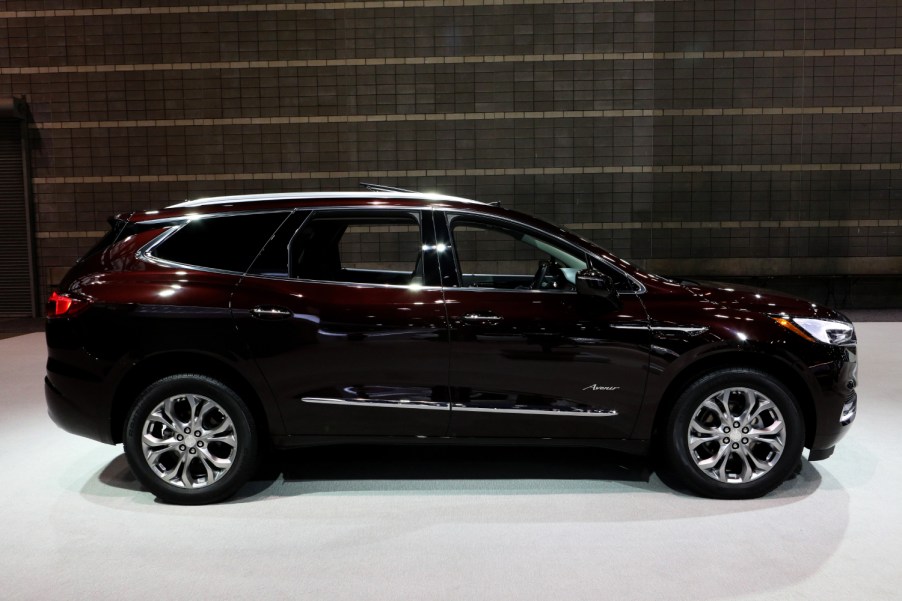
200,334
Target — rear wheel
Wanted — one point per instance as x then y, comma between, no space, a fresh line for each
734,434
190,440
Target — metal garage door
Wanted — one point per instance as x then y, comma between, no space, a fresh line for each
16,273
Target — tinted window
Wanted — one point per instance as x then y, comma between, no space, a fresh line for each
494,255
273,259
361,247
228,243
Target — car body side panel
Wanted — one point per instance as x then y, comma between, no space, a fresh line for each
350,360
554,364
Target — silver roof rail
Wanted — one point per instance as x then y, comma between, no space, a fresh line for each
381,188
290,196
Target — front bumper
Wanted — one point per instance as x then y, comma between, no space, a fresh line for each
836,402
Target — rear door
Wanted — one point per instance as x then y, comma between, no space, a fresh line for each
344,315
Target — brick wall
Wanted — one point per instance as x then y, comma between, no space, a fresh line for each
718,137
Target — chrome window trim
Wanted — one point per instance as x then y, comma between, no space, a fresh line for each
411,287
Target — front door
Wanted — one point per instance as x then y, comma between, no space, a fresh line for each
350,334
531,358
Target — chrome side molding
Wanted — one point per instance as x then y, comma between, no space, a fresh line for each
550,411
396,404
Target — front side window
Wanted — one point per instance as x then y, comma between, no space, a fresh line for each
228,243
492,254
364,247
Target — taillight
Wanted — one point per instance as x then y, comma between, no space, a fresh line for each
59,305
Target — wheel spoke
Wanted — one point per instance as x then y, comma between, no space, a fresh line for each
719,407
712,462
206,462
186,480
195,404
696,426
697,441
202,413
158,417
700,434
229,440
154,456
153,450
761,466
221,463
223,427
171,475
750,402
764,405
151,442
774,429
722,470
747,469
776,444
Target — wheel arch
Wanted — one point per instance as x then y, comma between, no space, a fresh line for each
766,364
153,368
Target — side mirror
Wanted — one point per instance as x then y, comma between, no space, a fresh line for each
592,282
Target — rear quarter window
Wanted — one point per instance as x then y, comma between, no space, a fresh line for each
228,243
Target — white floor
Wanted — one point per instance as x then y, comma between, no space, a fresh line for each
435,524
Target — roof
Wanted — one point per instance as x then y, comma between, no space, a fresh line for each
288,196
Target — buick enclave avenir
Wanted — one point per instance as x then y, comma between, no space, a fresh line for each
200,334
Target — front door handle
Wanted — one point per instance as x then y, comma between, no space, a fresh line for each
270,312
482,317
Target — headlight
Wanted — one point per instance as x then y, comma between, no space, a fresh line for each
821,330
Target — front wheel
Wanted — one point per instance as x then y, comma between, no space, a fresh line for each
734,434
190,440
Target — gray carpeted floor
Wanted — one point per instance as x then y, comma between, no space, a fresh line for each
412,523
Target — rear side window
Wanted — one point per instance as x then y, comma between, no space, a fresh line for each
228,243
383,247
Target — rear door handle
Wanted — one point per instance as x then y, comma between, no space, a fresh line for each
270,312
482,317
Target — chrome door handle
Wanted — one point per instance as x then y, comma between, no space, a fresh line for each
482,317
270,312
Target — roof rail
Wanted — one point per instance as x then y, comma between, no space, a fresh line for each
381,188
291,196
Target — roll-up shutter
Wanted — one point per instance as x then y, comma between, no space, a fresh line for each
16,267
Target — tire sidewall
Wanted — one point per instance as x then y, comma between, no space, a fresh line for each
245,456
680,459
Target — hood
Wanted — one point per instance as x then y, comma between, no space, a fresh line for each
739,297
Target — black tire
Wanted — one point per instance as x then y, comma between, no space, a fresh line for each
176,464
737,463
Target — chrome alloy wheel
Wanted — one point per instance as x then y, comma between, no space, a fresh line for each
189,441
736,435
